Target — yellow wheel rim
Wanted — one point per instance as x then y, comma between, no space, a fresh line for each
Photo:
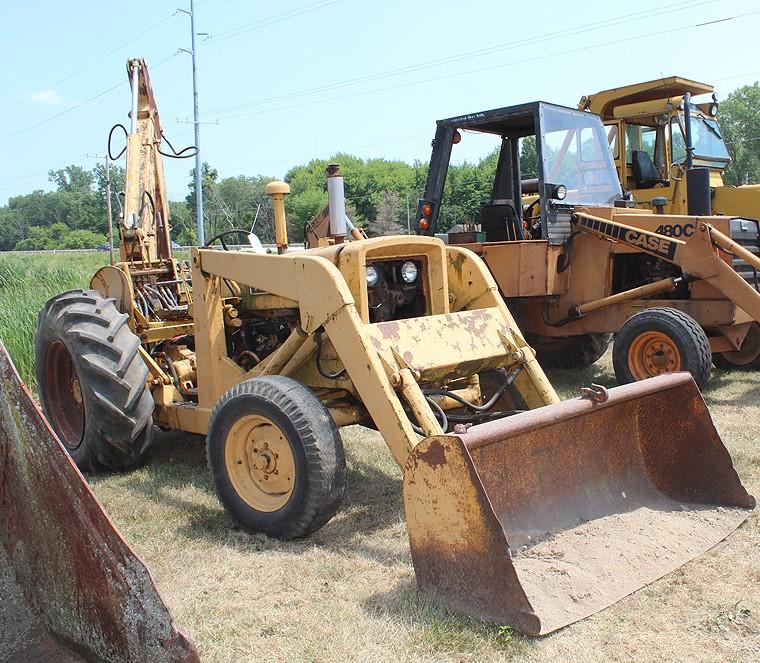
653,353
260,463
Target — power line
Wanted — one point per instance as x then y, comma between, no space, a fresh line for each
75,107
34,175
506,46
277,18
480,69
87,66
326,153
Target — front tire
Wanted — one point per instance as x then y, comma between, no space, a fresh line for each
92,381
276,458
661,340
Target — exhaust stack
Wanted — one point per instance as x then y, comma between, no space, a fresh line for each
336,200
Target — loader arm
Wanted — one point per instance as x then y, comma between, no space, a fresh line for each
385,361
697,256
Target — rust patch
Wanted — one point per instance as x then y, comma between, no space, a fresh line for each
434,455
457,262
71,564
390,330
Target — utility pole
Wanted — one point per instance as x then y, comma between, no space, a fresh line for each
408,224
196,122
109,212
108,208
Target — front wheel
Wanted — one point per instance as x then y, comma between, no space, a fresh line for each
661,340
276,458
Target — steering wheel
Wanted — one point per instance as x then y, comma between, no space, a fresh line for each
219,237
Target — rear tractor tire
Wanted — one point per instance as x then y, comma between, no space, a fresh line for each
276,458
92,381
661,340
569,351
747,357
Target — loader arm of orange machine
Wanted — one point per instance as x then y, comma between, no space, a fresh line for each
698,257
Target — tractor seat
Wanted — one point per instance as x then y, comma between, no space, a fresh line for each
644,171
500,222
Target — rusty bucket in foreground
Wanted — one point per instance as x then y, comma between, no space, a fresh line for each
544,518
71,589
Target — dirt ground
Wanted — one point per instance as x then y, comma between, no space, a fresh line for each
347,593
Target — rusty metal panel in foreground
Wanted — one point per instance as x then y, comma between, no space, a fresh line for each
93,594
549,516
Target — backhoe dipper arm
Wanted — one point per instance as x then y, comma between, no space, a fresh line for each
144,227
697,256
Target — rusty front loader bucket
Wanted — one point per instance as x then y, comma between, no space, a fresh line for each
549,516
71,589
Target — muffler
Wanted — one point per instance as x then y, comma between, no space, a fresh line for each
548,516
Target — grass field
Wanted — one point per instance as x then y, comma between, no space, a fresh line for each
347,593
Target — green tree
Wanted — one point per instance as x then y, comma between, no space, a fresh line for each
72,178
528,157
82,239
740,121
387,221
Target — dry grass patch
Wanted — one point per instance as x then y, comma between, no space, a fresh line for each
347,593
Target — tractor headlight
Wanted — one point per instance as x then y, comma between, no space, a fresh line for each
409,272
559,192
373,276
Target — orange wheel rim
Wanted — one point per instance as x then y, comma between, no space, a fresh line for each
653,353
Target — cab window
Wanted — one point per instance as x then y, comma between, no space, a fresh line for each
641,138
612,140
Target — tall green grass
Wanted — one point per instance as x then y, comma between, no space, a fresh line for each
28,281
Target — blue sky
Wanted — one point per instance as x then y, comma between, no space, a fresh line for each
284,82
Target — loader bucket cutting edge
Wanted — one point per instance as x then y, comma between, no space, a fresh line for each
69,577
551,515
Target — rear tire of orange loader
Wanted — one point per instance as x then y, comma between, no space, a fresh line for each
661,340
276,458
746,358
569,351
92,381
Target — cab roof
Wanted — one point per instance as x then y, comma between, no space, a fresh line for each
604,103
519,120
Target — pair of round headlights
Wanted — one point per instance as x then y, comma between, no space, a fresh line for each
409,273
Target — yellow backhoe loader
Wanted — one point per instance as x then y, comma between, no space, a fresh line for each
661,140
657,132
268,354
674,289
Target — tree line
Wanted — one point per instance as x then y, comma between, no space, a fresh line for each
381,194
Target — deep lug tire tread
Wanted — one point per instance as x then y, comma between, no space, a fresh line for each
113,377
